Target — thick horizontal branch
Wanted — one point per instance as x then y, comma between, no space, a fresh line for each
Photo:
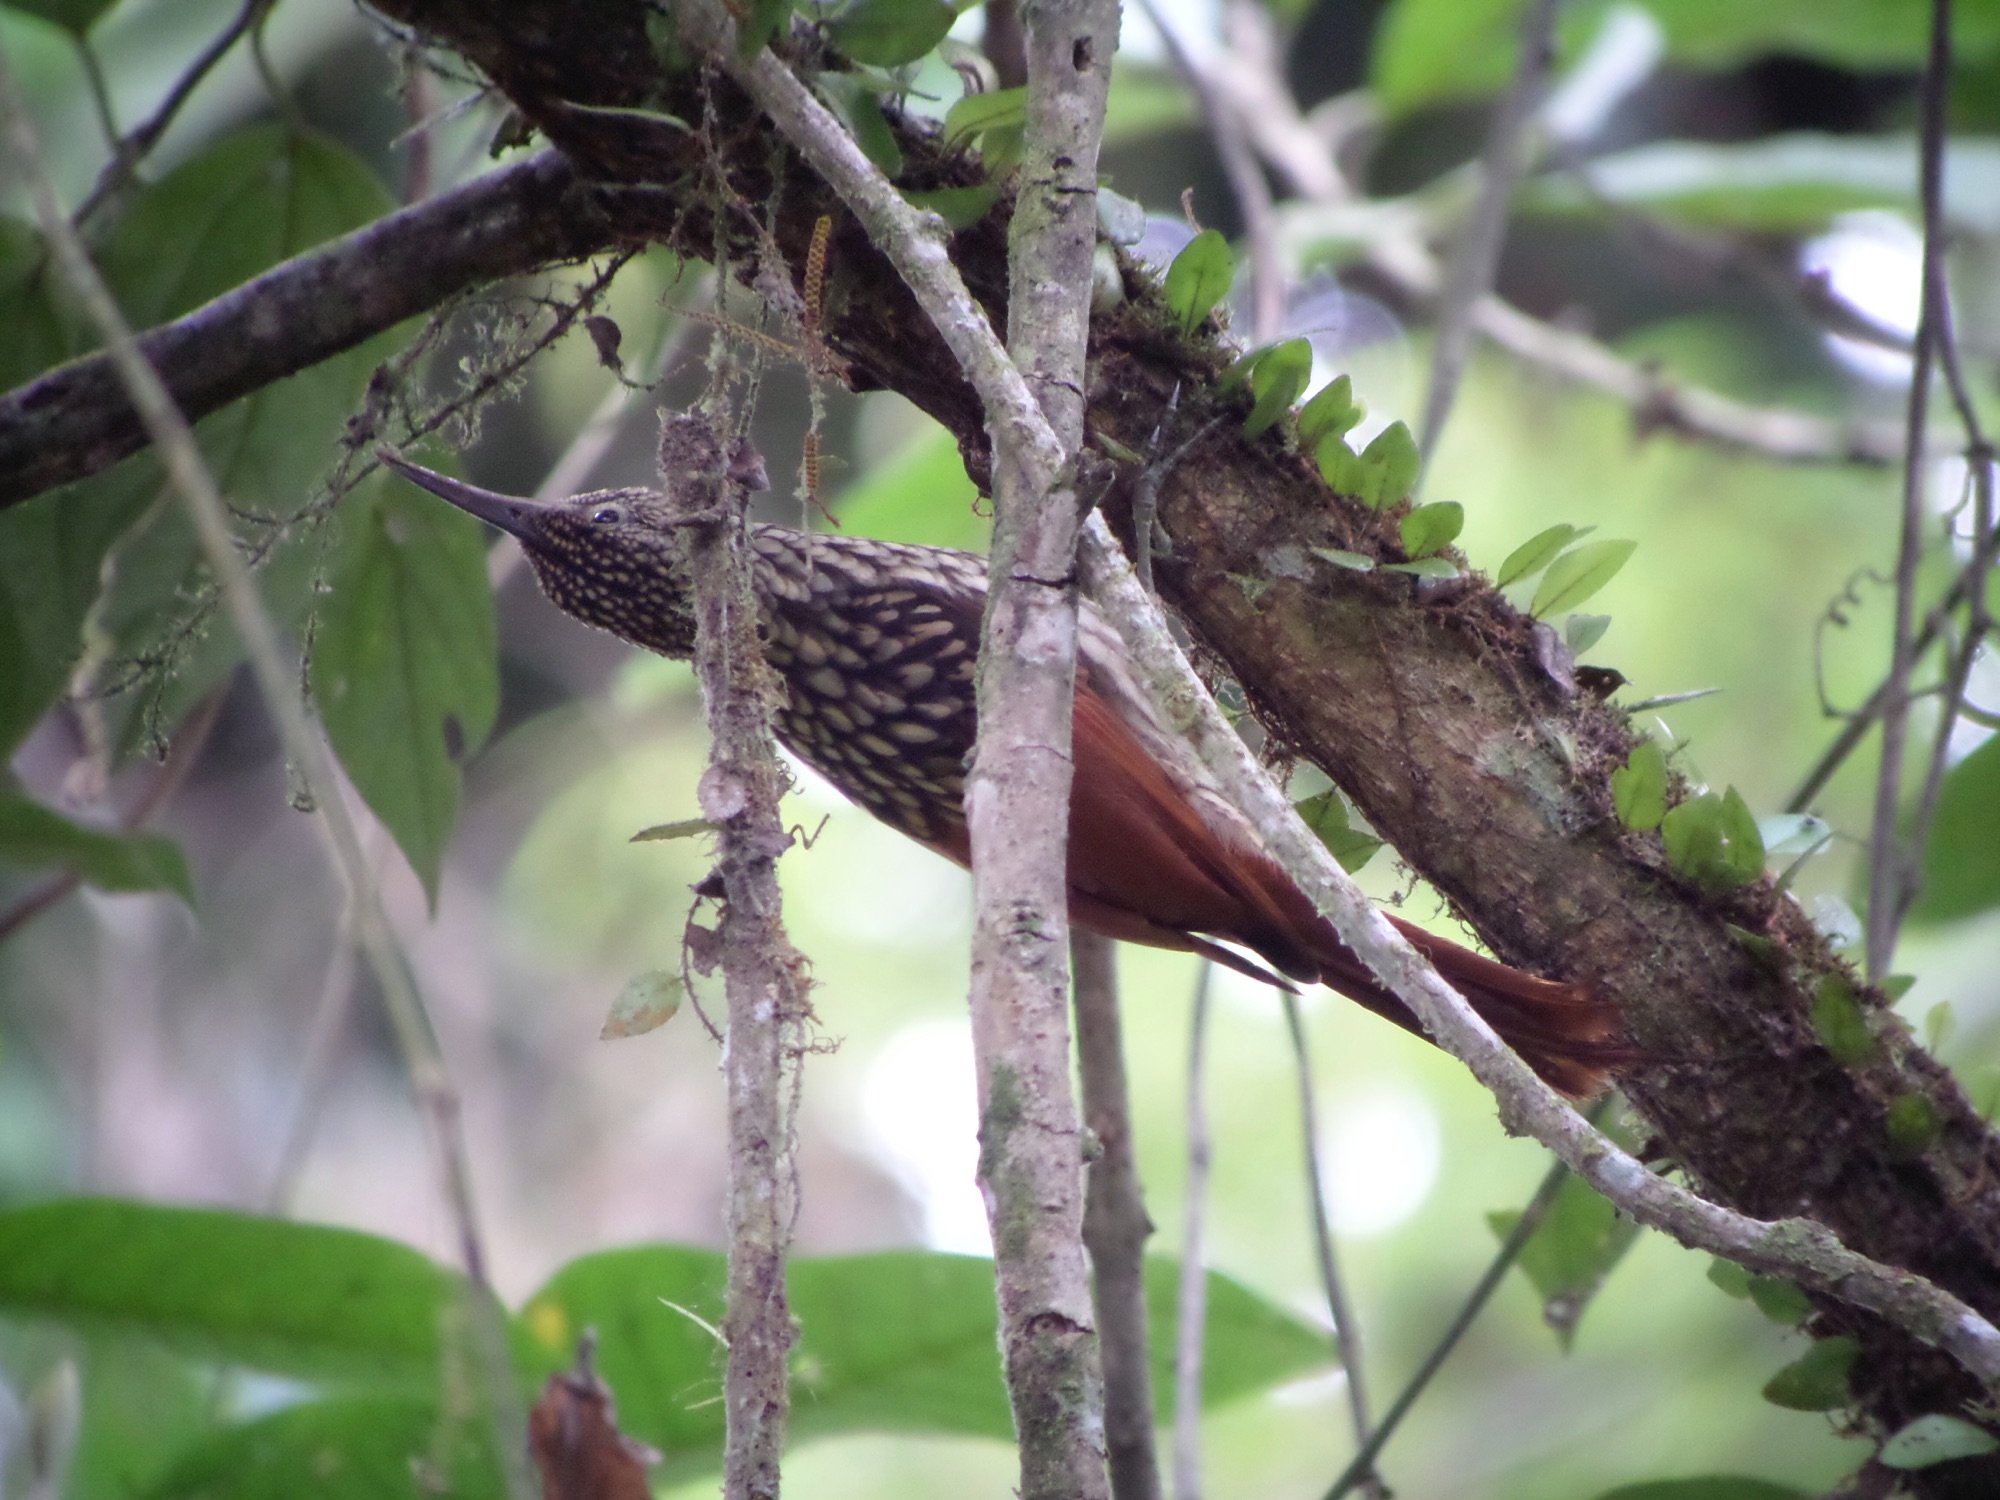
77,419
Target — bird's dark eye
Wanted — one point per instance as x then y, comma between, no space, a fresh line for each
607,514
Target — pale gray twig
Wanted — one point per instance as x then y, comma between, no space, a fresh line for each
1191,1321
1115,1225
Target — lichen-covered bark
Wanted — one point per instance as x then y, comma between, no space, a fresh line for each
1429,708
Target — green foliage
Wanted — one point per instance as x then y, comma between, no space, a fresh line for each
976,114
1355,562
1430,52
1639,787
901,1341
1577,574
1537,552
1581,632
759,22
305,1301
960,207
861,107
1839,1021
1332,412
1425,567
1199,279
1278,377
1571,1252
920,494
1713,842
405,668
73,16
1432,528
1380,475
647,1002
41,838
1936,1439
1706,1487
1788,184
1776,1298
1817,1380
1962,860
1330,818
889,33
1912,1123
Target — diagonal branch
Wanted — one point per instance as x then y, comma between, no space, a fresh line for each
76,419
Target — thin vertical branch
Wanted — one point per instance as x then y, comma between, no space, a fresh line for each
1361,1468
1017,792
1115,1225
1191,1322
170,432
1346,1327
1889,874
1471,273
764,977
1245,177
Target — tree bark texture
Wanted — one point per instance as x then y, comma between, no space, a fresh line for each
764,977
1431,706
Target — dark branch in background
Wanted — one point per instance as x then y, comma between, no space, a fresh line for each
1115,1225
764,976
1891,868
1192,1303
1471,275
1361,1467
129,150
1346,1327
76,419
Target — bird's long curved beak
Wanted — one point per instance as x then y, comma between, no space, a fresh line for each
522,518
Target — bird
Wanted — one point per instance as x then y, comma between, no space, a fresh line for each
874,645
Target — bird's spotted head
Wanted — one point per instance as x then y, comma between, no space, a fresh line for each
613,558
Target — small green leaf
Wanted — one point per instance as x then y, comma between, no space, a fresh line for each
1199,279
1277,377
1537,552
684,828
1332,409
405,668
1639,787
1380,475
1571,1253
1768,955
1332,821
759,24
1895,986
960,207
861,107
1780,1300
1912,1124
1432,528
1962,860
1936,1439
1713,842
889,33
1581,632
1425,567
1358,562
1817,1381
1730,1277
73,16
1705,1487
38,837
1939,1021
976,114
647,1002
1577,574
1839,1021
